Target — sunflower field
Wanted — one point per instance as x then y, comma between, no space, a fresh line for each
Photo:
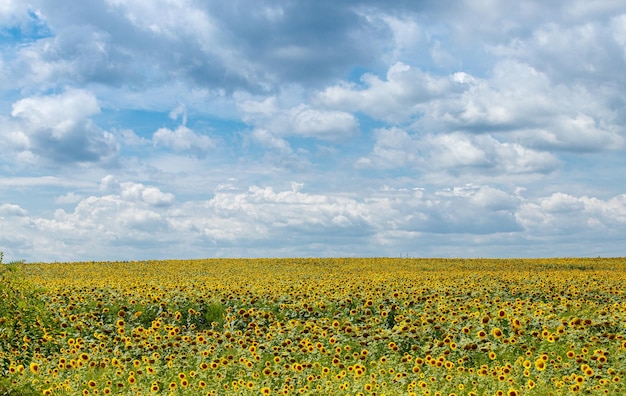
336,326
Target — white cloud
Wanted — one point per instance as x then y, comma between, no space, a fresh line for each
484,151
69,198
326,125
11,11
129,138
560,203
137,192
12,210
109,183
517,99
494,199
57,112
408,37
482,196
576,133
58,128
141,219
75,54
266,139
394,148
562,213
41,182
179,111
455,152
301,120
263,214
110,219
262,219
592,63
182,140
523,102
401,96
170,19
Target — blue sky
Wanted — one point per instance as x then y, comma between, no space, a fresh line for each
141,129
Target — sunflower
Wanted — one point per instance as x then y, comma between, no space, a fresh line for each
34,367
540,364
496,332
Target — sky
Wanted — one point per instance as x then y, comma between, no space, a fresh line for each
163,129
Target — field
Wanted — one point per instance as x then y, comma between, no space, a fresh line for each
380,326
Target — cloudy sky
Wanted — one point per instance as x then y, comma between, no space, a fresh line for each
140,129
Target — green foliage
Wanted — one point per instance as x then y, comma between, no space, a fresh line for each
24,320
7,388
215,313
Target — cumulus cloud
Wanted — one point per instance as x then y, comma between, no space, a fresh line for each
69,198
136,192
112,219
516,99
262,213
109,183
394,148
129,215
182,140
301,120
401,96
562,213
77,54
265,138
150,195
12,210
11,10
482,196
521,100
296,48
57,111
598,53
202,43
58,129
470,209
578,132
560,203
455,152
